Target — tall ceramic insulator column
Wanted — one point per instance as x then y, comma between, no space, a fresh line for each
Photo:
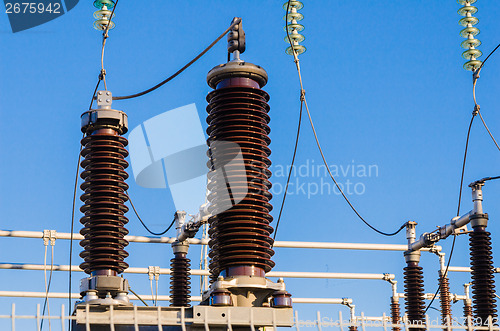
104,200
240,242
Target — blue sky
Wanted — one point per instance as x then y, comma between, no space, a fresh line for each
385,86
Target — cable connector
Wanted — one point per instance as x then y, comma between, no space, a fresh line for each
102,74
302,95
475,74
154,272
49,236
476,110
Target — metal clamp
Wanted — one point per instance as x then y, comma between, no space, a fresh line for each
154,272
49,236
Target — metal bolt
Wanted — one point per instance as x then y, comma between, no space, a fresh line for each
281,280
107,93
220,278
100,92
107,100
100,100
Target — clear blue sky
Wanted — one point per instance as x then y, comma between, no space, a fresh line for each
385,86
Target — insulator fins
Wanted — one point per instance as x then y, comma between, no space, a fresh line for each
294,37
103,15
469,32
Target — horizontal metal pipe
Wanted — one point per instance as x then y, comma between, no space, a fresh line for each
467,269
430,296
331,275
200,272
282,244
53,295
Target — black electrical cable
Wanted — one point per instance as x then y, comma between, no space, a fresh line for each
490,178
291,168
476,111
296,60
443,275
181,69
138,297
71,232
463,164
95,91
435,309
486,59
458,208
144,225
475,77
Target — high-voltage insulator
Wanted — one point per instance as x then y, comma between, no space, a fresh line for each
482,270
469,32
240,241
103,15
414,290
180,276
238,185
395,313
104,200
444,289
292,17
483,287
414,280
468,308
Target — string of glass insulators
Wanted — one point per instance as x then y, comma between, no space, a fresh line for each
292,17
103,14
469,33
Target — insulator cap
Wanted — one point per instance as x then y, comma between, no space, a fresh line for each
470,30
236,69
467,9
470,43
472,65
297,4
471,53
299,49
104,118
294,26
468,20
101,3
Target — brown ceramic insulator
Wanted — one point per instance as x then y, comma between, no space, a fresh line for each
240,241
104,200
395,314
468,310
180,281
414,290
444,288
482,270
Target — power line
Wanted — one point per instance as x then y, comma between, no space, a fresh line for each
72,230
291,168
181,69
489,132
138,297
476,111
144,225
475,77
297,64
